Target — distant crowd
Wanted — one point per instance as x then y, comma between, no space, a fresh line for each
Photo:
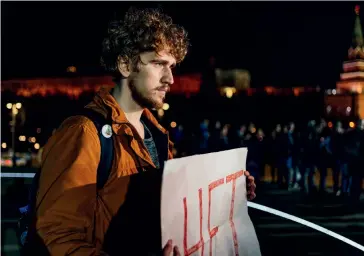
295,154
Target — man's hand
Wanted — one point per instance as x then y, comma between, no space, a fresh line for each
168,248
250,186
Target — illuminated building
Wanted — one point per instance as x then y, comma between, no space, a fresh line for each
348,97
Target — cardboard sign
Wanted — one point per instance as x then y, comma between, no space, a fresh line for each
204,206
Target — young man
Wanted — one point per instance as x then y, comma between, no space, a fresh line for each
123,218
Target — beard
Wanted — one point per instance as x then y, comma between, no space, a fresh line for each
144,98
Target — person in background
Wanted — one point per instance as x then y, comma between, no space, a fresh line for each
255,158
309,157
251,128
214,139
325,155
274,148
283,158
224,142
293,158
339,165
204,136
241,136
355,151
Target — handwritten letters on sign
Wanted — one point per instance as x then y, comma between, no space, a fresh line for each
204,208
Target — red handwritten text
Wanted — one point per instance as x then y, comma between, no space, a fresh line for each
200,244
215,229
212,231
233,178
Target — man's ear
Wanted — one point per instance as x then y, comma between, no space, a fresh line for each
123,67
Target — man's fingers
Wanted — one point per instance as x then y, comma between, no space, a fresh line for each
251,181
176,251
167,250
252,186
251,196
251,178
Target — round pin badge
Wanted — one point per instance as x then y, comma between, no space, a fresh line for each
106,131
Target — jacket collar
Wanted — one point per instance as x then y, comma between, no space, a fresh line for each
106,104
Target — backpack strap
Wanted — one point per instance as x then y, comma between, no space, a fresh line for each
107,146
27,235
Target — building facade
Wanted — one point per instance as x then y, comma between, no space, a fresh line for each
347,100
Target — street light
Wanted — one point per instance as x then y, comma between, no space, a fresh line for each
15,107
160,112
165,106
15,110
36,146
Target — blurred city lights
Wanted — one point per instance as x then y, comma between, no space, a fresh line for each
22,138
296,92
229,93
329,124
3,145
71,69
9,105
351,124
173,124
36,146
32,139
18,105
165,106
39,130
160,112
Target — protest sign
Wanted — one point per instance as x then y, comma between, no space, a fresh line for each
204,206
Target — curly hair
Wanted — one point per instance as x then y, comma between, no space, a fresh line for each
141,31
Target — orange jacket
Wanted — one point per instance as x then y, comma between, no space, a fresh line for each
71,218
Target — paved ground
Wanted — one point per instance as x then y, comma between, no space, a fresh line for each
277,236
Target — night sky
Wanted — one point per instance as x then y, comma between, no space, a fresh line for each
282,44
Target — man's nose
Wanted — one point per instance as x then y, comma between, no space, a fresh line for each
168,77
